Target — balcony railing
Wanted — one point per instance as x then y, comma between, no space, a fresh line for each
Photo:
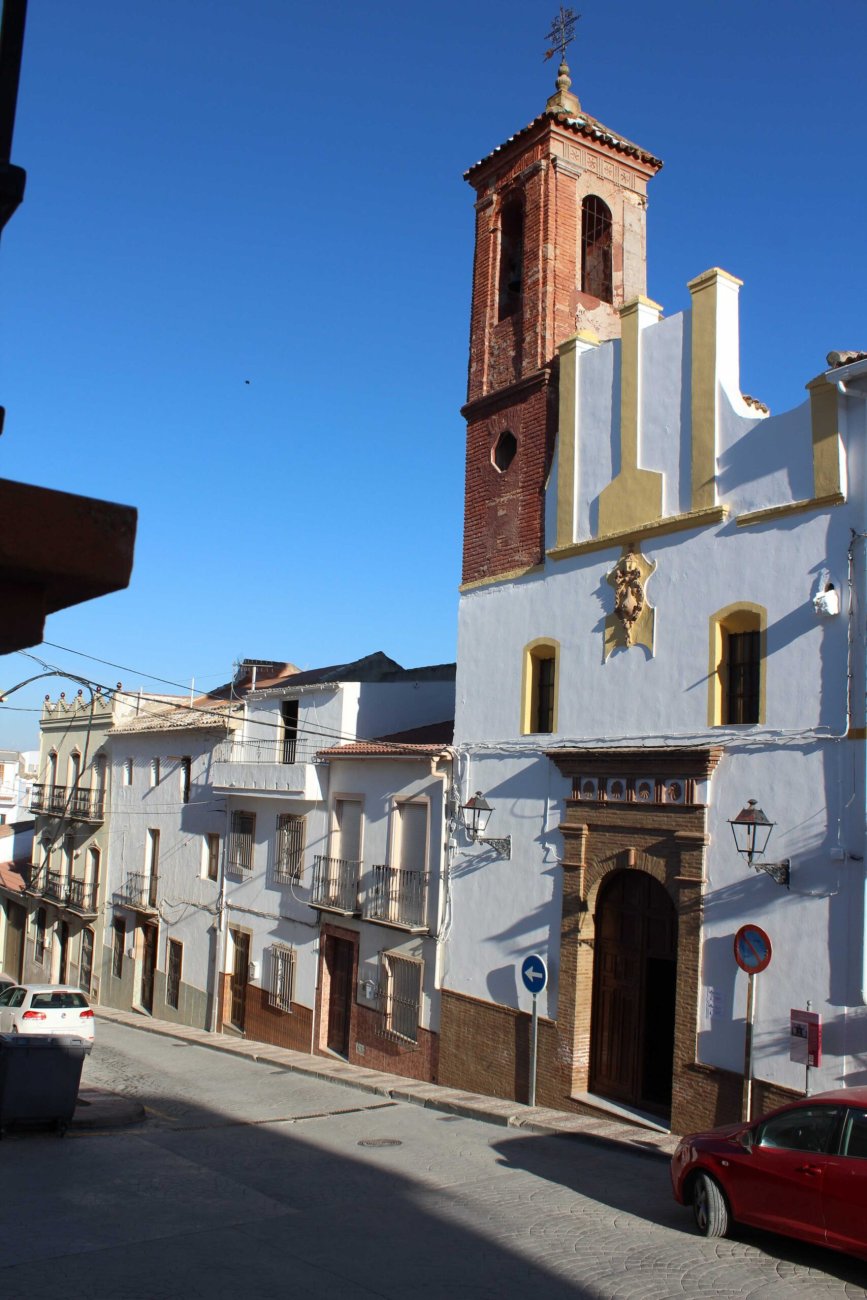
81,895
138,891
277,750
397,896
335,884
55,886
88,805
50,799
78,803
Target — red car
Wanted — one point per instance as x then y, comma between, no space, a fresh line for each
801,1170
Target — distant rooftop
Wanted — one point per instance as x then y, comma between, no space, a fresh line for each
417,742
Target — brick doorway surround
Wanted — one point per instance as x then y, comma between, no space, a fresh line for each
633,810
323,988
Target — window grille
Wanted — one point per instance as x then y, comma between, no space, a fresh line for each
743,677
401,997
545,695
241,841
281,989
173,973
289,848
596,233
155,771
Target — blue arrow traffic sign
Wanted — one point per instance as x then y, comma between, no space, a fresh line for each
534,973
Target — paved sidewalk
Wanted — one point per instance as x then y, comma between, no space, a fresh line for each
453,1101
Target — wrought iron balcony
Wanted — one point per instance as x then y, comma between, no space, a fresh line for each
87,805
54,886
77,803
49,799
335,884
36,879
81,895
397,897
138,891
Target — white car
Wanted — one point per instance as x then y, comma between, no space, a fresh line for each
46,1009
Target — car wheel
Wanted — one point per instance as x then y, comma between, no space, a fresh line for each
709,1207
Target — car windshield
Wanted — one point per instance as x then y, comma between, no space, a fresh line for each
57,1001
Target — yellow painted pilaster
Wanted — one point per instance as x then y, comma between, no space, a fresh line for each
714,317
567,450
826,438
634,497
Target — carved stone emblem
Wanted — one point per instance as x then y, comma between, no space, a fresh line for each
632,622
630,594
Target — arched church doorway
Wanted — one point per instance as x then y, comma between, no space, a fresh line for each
634,978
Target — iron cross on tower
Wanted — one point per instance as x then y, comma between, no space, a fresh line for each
562,33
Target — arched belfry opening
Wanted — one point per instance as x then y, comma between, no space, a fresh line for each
634,984
596,243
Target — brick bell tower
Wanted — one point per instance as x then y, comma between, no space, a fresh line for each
560,247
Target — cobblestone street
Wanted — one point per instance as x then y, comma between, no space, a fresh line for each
248,1180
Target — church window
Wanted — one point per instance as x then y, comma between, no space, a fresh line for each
737,668
504,451
539,688
596,238
511,257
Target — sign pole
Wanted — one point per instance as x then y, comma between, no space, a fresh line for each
807,1067
752,949
748,1050
534,1041
534,973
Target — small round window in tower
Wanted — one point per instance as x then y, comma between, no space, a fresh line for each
504,451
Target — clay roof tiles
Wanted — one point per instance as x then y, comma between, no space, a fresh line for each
582,124
418,742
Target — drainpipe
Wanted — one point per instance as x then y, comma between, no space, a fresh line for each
222,938
444,864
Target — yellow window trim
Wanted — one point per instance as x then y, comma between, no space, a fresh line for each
743,616
532,653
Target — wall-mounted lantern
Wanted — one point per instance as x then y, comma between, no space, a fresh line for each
752,830
475,815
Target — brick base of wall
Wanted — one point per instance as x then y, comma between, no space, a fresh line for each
266,1024
485,1047
412,1062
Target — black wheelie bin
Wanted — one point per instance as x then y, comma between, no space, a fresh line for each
39,1078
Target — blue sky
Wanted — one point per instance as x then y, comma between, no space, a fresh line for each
222,191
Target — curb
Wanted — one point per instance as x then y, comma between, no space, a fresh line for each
491,1110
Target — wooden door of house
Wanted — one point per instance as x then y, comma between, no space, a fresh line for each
239,977
148,967
63,940
635,966
340,955
13,956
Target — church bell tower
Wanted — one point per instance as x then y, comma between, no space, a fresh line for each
560,247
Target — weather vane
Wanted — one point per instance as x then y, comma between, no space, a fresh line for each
562,33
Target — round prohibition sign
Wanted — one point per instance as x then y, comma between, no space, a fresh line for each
753,949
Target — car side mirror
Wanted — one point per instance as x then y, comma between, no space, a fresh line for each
747,1139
